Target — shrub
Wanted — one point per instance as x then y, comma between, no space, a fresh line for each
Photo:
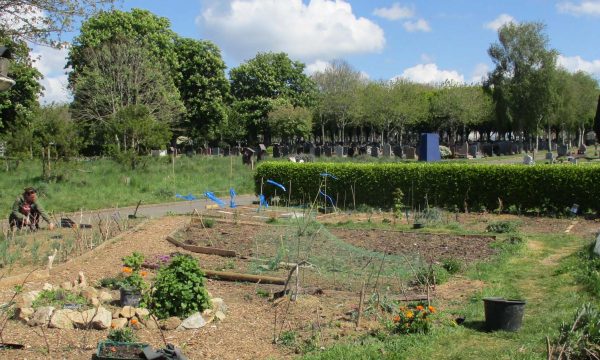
445,184
587,269
435,274
179,289
124,335
580,338
445,152
451,265
413,320
208,223
502,227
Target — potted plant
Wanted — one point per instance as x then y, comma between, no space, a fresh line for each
120,344
133,284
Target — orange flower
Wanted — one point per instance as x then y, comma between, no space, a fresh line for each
134,321
409,314
143,273
420,308
396,318
431,308
127,270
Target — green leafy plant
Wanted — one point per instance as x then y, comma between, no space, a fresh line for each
113,283
579,339
134,276
208,223
125,335
434,274
134,261
413,319
287,338
452,265
398,203
502,227
179,289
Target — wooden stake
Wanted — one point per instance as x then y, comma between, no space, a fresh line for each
360,305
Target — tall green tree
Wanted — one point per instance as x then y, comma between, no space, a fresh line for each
138,26
267,77
339,84
119,75
522,83
19,103
290,123
409,104
203,86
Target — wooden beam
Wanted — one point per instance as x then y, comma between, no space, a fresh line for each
229,276
202,249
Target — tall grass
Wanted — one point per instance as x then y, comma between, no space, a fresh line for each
102,183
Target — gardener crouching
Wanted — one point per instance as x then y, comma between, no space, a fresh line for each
26,211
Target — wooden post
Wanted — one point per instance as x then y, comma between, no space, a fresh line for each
360,305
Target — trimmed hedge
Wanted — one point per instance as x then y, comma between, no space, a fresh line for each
546,188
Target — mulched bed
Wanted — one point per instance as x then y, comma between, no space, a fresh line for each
433,247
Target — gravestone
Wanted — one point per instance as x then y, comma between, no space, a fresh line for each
261,153
226,151
318,151
362,150
514,148
387,150
572,160
285,150
597,247
276,151
339,151
345,152
215,151
503,148
309,148
429,147
328,151
554,146
2,148
247,154
351,151
528,160
374,151
410,152
582,149
235,151
550,157
474,150
398,151
487,149
562,150
463,150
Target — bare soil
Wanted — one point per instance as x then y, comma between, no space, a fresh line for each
433,247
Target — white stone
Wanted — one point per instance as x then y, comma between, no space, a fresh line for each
194,321
127,312
218,305
141,313
48,287
27,299
98,319
41,316
219,315
118,323
89,293
105,297
61,319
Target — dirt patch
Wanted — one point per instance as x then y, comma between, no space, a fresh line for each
458,289
433,247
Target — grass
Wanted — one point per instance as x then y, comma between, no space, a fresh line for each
102,183
519,272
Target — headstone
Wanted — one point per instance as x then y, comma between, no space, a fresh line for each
582,149
429,147
227,151
374,151
345,150
398,151
285,150
2,148
528,160
362,150
309,148
154,153
550,157
514,148
503,148
339,151
215,151
487,149
562,150
597,247
276,151
572,160
554,146
247,154
318,151
474,150
387,150
328,151
351,151
463,150
410,152
262,152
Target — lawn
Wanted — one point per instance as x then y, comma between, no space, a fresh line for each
96,184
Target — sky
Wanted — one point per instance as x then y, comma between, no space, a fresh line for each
423,41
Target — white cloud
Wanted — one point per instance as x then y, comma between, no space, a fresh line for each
500,21
395,12
318,65
480,73
51,63
576,63
320,29
426,58
586,7
419,25
430,73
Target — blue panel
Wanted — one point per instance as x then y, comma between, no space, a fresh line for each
429,147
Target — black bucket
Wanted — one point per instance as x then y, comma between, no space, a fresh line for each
502,314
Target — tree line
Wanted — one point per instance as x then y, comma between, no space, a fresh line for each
137,86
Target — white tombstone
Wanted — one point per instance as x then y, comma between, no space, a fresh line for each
597,247
528,160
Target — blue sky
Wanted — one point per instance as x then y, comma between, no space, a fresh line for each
425,41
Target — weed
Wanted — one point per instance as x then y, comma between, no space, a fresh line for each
113,283
452,265
263,293
287,338
502,227
57,298
434,274
580,338
208,223
125,335
272,220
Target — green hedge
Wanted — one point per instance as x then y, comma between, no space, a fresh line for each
545,188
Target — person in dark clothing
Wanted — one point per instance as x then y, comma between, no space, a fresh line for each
26,211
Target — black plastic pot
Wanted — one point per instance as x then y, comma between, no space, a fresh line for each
502,314
130,297
418,225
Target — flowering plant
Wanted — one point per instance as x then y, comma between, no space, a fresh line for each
413,319
132,265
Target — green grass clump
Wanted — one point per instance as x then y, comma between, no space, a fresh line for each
502,227
58,298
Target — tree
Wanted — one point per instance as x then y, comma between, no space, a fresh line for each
339,83
203,86
288,122
522,83
119,75
266,77
140,27
19,103
597,121
44,21
409,104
